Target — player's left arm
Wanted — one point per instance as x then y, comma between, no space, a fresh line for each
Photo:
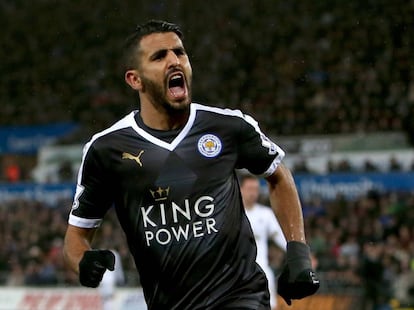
298,279
260,155
285,203
275,233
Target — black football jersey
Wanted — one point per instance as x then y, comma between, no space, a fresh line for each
180,206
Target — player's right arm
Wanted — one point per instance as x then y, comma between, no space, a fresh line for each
77,241
92,200
89,264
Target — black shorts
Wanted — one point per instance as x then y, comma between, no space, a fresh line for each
252,296
246,307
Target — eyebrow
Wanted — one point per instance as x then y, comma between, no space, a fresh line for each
163,52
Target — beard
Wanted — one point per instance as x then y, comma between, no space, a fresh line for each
157,93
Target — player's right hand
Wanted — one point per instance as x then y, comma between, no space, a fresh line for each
297,280
93,265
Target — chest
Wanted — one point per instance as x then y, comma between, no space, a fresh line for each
197,160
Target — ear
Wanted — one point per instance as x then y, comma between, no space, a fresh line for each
132,79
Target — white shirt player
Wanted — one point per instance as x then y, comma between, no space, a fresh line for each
266,227
110,281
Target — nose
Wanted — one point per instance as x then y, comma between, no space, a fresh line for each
172,59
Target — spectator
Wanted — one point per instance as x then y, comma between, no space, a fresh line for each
394,164
328,68
377,291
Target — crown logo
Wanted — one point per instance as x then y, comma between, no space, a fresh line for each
160,193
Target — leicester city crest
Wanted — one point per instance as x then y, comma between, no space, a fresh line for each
209,145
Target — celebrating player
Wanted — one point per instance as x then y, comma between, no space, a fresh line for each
169,171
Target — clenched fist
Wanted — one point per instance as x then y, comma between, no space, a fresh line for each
297,280
93,265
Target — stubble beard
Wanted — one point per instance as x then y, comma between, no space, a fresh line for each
157,93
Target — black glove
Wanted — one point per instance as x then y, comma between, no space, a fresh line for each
297,280
93,266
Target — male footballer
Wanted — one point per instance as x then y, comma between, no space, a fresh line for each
168,169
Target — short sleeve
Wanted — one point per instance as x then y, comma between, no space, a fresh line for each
93,194
257,153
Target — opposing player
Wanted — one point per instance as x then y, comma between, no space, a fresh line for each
111,279
169,171
265,228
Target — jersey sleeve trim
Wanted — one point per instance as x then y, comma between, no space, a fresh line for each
83,222
272,148
275,163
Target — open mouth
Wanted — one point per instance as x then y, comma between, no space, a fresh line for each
176,85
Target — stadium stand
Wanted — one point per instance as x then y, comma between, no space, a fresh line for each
300,67
319,67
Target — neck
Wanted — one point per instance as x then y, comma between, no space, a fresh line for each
161,119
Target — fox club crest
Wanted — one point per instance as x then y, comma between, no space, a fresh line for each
209,145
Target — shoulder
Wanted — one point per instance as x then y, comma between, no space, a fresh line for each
226,114
100,138
125,122
216,110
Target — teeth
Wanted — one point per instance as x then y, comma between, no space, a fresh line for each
176,77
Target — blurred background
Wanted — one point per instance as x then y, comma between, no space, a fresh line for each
331,82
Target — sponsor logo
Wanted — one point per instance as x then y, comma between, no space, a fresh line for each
170,222
209,145
136,158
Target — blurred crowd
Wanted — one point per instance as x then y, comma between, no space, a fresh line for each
362,243
298,66
376,228
31,240
363,246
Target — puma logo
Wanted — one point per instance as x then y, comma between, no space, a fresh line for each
137,158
